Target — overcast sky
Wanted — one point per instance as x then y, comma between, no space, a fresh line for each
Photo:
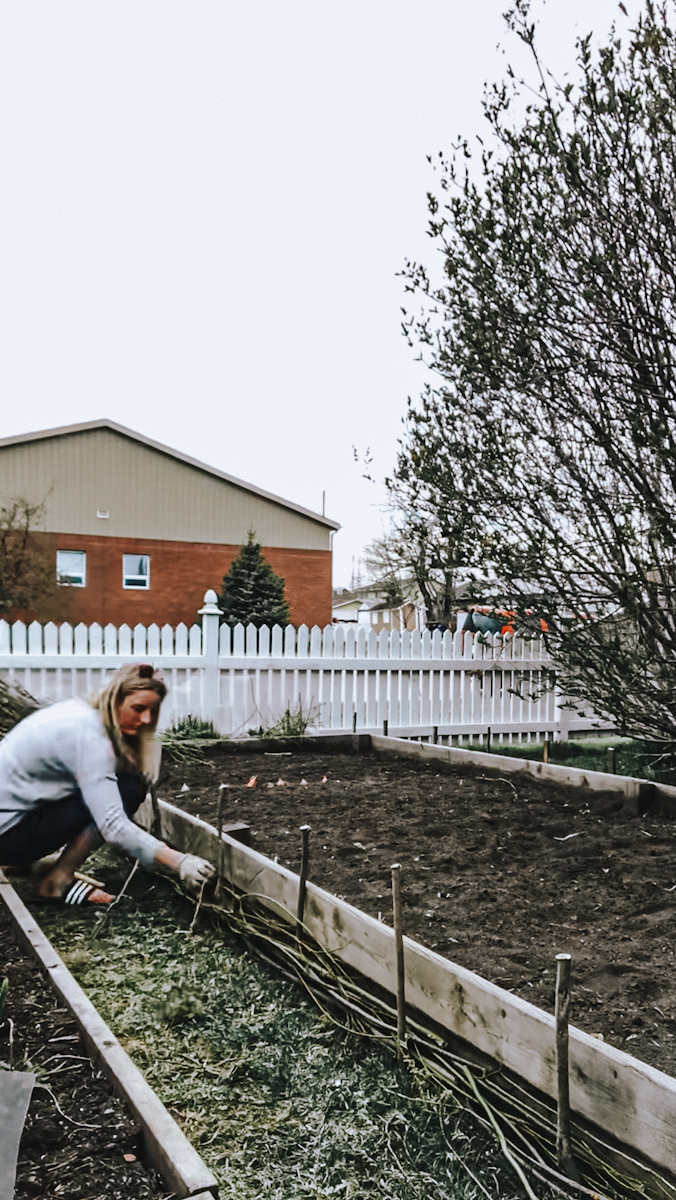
203,210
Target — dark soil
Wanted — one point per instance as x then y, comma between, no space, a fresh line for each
499,875
78,1153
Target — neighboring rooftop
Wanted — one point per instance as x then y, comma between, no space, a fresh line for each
100,478
124,431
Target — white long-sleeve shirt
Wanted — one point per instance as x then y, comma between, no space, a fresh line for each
56,750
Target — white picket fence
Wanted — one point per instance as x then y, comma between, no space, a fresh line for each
452,686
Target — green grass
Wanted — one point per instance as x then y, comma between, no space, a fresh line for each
639,759
280,1101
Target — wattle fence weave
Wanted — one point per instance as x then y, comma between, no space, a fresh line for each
460,685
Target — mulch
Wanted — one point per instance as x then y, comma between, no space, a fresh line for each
77,1131
498,875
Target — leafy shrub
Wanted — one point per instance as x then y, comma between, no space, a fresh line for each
192,727
185,741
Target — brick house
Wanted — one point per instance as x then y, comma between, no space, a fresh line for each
139,531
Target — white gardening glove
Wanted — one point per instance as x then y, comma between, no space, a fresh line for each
194,871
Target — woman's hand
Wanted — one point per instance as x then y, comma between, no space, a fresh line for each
194,872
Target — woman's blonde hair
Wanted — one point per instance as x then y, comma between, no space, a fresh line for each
143,750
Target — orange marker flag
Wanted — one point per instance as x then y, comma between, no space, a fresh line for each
252,782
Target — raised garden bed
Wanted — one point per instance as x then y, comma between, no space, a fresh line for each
279,1099
77,1131
499,875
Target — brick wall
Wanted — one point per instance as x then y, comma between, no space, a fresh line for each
180,573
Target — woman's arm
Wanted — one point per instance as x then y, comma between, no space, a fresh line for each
166,857
101,794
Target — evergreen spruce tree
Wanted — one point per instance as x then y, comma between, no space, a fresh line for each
251,592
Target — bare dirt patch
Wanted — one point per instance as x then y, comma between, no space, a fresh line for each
498,876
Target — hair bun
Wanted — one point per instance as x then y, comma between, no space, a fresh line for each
145,671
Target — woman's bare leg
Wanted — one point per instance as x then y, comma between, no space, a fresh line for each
58,880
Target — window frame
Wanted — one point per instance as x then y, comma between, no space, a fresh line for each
63,582
135,587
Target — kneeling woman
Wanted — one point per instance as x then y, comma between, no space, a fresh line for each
74,774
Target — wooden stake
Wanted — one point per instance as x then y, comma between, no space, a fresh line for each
435,735
219,826
156,825
611,760
545,751
385,727
354,722
488,738
564,1152
399,947
304,862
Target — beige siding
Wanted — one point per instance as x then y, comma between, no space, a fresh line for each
147,493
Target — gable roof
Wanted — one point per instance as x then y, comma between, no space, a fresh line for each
64,430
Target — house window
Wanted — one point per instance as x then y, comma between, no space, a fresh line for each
136,571
71,568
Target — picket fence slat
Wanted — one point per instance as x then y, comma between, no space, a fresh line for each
139,639
224,641
264,641
19,638
458,683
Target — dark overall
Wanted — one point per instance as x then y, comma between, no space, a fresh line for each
55,823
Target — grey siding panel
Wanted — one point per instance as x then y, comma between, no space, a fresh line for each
147,493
